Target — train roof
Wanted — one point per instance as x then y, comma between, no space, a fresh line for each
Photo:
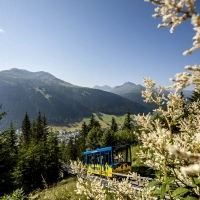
98,150
107,149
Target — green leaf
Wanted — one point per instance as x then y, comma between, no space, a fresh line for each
197,181
153,183
180,192
190,198
170,179
157,192
163,191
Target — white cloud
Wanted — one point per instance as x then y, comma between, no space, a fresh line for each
2,31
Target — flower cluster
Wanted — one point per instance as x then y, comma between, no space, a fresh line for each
91,187
185,79
96,188
78,168
170,136
174,13
152,94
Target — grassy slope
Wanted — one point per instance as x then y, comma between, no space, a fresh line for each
104,119
64,190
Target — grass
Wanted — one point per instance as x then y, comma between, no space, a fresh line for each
104,119
62,191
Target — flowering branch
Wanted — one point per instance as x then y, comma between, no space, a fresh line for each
174,13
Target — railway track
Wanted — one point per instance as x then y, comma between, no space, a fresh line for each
135,183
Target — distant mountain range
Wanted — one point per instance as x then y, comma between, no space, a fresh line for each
62,102
132,92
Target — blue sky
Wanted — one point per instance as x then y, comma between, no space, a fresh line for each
92,42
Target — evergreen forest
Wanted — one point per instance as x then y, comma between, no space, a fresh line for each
34,158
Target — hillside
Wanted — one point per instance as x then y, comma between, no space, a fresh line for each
132,92
104,119
62,102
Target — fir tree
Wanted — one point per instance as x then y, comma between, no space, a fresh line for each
6,165
126,136
63,152
108,138
93,123
33,130
7,158
45,127
93,139
71,150
81,141
39,160
12,138
39,127
29,168
52,162
114,126
26,129
195,96
127,121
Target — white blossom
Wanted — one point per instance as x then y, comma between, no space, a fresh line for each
174,13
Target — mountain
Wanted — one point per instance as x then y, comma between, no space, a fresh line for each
187,93
61,101
132,92
104,88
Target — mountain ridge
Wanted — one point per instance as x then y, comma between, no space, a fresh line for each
133,91
62,102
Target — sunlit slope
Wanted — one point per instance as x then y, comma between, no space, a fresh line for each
104,119
62,102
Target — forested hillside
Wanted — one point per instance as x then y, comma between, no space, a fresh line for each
62,102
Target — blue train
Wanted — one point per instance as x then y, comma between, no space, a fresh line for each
109,160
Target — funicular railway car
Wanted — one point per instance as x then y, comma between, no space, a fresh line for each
109,160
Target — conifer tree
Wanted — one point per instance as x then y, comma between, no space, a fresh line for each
26,129
39,127
12,139
45,127
93,139
52,162
7,158
6,165
84,132
114,126
39,161
127,121
81,141
108,138
71,150
33,130
195,96
62,151
93,123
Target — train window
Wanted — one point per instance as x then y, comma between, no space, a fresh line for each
97,158
108,157
119,156
85,159
102,158
92,159
89,159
